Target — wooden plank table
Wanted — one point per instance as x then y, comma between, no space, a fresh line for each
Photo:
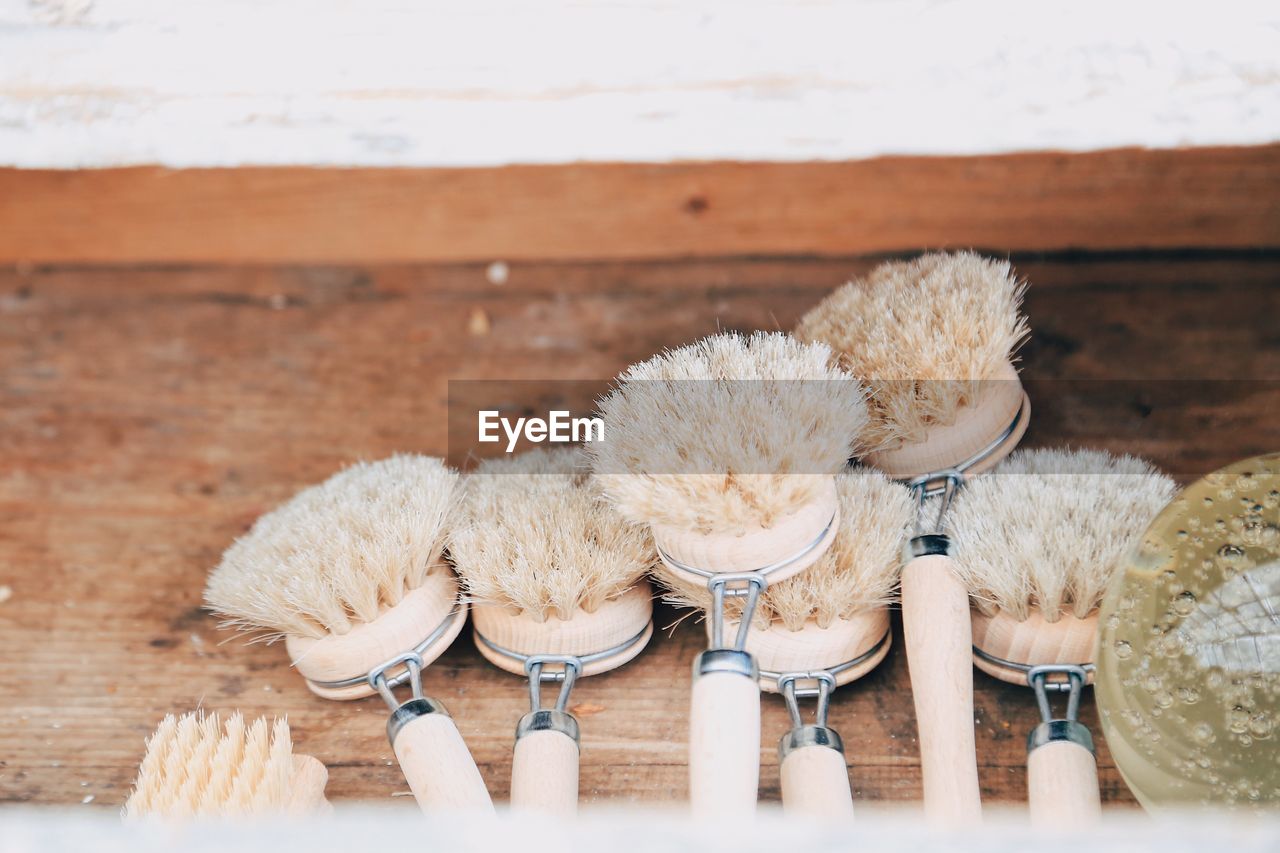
150,414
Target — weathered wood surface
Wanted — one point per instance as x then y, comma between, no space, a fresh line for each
104,83
147,416
1214,198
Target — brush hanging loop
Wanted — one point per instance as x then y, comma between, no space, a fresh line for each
1071,680
748,585
940,484
379,681
535,666
824,681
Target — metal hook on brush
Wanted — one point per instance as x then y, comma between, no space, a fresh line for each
817,733
557,718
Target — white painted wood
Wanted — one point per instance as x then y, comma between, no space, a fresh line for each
937,634
1062,787
544,774
403,83
724,746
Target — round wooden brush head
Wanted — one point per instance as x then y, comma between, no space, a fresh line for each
982,428
624,623
727,447
836,611
934,340
549,566
1033,641
348,572
779,650
339,657
793,543
1037,541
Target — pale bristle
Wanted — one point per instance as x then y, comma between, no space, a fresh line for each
909,324
535,534
858,573
1049,528
337,553
196,767
688,445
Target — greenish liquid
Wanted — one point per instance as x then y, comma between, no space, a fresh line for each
1188,681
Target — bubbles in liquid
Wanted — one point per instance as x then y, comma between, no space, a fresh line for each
1188,681
1238,720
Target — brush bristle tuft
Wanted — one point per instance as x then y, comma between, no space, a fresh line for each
1049,528
535,534
197,767
858,573
909,326
695,440
339,552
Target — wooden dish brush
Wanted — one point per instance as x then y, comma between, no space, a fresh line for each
934,339
1036,543
556,583
350,573
825,628
727,449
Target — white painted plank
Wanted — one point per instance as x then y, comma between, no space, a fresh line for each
87,83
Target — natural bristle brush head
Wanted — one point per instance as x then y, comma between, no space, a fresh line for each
549,567
837,610
556,582
934,339
1037,542
727,448
197,766
349,572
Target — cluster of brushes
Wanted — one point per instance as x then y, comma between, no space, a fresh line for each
726,478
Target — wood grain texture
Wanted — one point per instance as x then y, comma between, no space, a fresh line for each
1062,782
815,784
1117,199
544,773
724,746
936,627
148,416
439,768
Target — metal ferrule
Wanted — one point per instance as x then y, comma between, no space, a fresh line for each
1073,678
735,661
410,711
810,735
1060,730
548,720
929,545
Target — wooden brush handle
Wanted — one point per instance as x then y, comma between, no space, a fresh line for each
544,773
815,783
724,744
1062,786
437,763
939,637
